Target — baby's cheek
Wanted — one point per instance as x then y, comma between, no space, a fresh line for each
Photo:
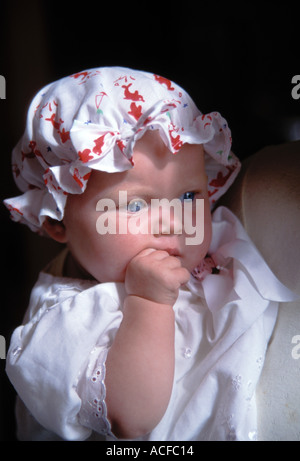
112,255
207,224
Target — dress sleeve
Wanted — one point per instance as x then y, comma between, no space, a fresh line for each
92,392
56,361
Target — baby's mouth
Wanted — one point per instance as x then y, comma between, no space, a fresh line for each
173,252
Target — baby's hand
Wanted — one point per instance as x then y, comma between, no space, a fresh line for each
155,275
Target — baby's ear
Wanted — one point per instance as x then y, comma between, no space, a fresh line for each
55,229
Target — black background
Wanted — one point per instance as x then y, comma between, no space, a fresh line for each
238,60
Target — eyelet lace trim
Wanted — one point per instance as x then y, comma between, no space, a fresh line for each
91,389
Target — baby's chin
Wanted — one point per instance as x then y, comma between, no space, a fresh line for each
190,265
110,278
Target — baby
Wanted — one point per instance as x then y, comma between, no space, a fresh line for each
137,330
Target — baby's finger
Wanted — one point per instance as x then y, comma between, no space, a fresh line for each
146,252
183,275
156,255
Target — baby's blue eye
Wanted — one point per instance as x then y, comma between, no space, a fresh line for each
187,197
136,205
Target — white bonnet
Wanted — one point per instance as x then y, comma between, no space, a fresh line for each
91,120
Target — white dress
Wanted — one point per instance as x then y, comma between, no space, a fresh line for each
56,359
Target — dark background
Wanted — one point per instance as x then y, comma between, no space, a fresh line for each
238,60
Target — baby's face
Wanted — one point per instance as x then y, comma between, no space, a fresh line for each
157,174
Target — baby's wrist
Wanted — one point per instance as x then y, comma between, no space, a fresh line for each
141,302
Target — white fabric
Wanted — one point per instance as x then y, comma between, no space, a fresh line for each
92,120
56,360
